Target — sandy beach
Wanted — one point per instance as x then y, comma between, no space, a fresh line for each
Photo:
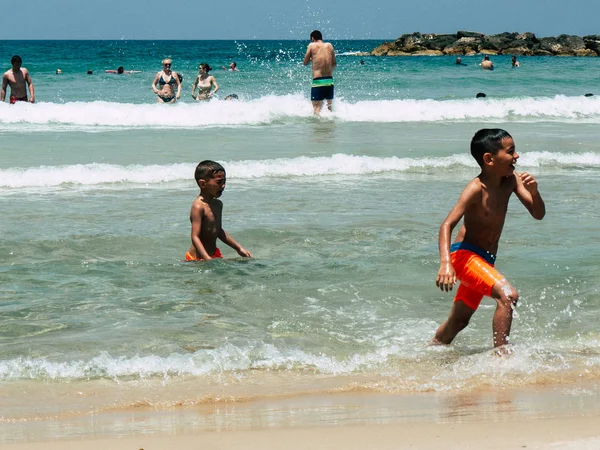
541,418
571,433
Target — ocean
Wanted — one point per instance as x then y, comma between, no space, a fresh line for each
341,213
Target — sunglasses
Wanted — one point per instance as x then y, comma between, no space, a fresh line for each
167,65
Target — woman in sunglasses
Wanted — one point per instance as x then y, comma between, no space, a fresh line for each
165,82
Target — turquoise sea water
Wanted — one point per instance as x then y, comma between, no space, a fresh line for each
97,311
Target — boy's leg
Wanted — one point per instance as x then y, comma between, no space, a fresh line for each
506,298
459,317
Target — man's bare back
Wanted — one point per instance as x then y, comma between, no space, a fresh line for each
322,56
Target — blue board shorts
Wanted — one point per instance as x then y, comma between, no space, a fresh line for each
321,89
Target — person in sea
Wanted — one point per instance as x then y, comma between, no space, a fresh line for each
232,67
120,71
207,213
514,61
471,258
487,63
165,82
205,83
17,77
322,56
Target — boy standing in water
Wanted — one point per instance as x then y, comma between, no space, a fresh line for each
206,215
470,259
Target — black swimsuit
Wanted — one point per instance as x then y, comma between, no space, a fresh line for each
171,82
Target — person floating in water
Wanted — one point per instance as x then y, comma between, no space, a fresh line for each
121,71
17,77
322,56
207,213
482,206
166,80
514,62
459,62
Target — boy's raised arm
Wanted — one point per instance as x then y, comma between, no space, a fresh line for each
528,194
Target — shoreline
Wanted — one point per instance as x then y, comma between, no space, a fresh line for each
345,420
571,434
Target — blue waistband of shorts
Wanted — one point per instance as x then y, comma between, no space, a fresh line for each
489,257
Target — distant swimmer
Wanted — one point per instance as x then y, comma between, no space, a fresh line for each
206,215
232,97
90,72
589,95
121,71
362,63
58,71
486,63
16,78
459,62
514,62
480,95
166,80
232,67
322,56
204,82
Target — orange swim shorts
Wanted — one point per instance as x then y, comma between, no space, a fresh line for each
475,269
189,257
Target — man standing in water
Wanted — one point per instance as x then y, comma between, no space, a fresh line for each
16,79
322,56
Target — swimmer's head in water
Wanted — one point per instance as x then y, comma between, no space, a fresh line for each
480,95
120,69
486,57
487,140
231,97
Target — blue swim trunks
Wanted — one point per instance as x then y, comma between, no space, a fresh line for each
322,89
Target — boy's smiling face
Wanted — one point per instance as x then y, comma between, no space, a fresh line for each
214,186
505,159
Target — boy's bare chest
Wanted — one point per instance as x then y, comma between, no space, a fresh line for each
494,204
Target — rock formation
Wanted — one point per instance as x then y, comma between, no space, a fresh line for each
470,43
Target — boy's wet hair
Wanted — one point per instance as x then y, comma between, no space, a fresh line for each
487,140
16,60
205,170
316,35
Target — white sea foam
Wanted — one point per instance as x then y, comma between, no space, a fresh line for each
277,109
338,164
526,361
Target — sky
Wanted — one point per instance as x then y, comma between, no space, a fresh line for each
289,19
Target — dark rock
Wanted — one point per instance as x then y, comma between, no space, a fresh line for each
592,42
468,34
470,43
